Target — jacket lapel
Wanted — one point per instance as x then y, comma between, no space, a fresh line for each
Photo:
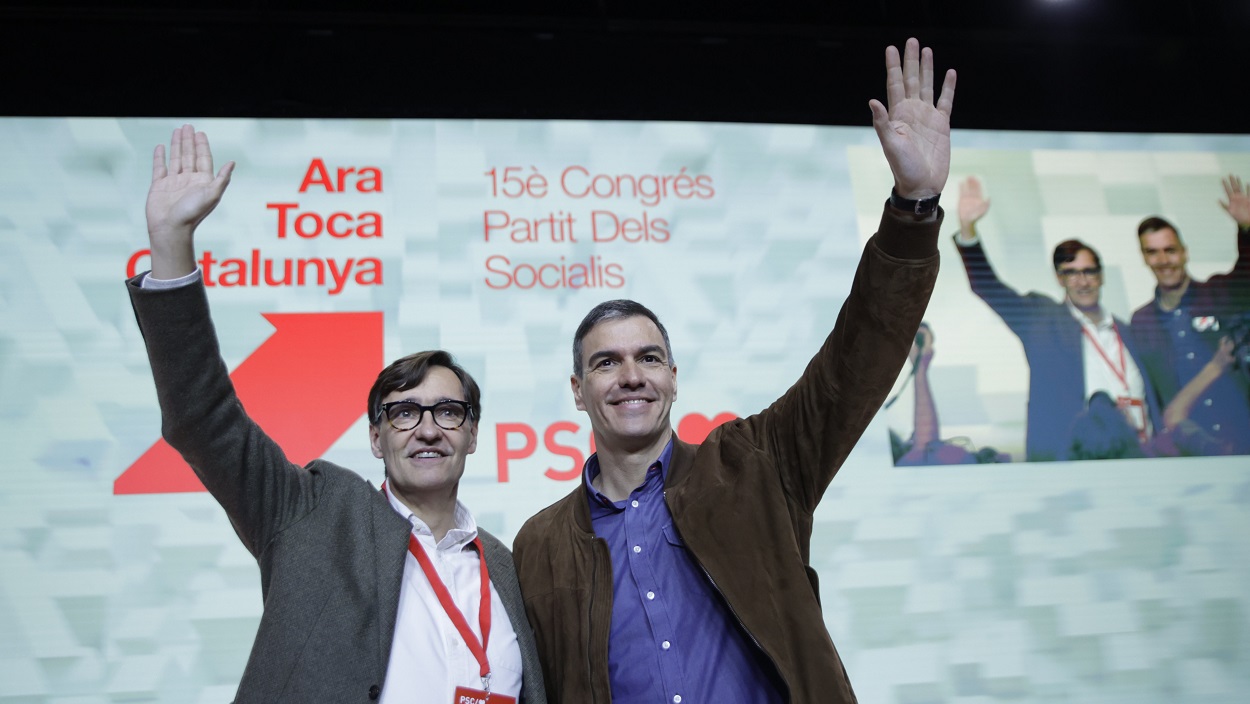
390,532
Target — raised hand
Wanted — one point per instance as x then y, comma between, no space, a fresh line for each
915,132
182,194
922,347
1238,204
1223,357
973,205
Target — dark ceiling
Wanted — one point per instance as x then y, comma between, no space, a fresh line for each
1104,65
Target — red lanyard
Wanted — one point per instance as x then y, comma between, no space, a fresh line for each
1122,372
453,612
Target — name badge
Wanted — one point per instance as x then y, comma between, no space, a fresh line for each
465,695
1203,323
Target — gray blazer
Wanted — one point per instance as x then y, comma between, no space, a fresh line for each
330,548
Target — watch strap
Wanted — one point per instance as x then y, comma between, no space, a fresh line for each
921,207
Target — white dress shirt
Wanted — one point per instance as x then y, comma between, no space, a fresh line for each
1109,367
428,658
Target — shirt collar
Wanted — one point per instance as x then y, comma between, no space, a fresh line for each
1184,302
591,470
460,535
1107,321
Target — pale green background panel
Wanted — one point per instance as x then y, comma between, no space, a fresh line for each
1095,582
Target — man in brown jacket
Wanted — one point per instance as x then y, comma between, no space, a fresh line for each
678,572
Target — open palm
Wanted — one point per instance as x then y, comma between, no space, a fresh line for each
183,193
915,131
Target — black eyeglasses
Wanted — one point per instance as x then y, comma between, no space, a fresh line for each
406,415
1090,273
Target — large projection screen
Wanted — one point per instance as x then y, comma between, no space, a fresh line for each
1109,581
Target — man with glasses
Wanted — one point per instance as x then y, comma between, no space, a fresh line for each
1182,328
1075,348
394,594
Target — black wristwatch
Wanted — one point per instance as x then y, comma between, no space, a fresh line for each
920,208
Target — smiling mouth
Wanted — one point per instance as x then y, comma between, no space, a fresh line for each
631,402
425,454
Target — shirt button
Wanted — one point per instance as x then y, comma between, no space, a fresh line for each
676,699
1176,313
634,503
637,548
1189,355
1206,402
1216,427
666,645
1181,333
650,595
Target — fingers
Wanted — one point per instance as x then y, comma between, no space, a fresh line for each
158,163
880,119
946,102
186,136
175,151
895,93
222,180
1232,186
911,68
970,186
912,77
203,154
926,75
189,152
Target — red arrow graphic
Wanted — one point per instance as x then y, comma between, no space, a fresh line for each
305,385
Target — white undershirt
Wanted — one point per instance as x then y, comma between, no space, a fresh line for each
1101,375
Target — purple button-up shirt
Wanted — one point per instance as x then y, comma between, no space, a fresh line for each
673,637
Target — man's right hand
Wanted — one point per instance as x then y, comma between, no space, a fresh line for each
1238,204
1223,357
181,196
973,205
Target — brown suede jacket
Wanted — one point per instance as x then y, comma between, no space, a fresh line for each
743,499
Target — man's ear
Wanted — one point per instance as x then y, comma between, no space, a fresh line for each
473,444
673,369
577,392
375,440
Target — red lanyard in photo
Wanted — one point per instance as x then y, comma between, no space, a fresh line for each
1122,372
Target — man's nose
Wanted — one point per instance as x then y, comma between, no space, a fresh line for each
631,375
426,427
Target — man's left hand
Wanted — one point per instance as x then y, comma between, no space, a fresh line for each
915,132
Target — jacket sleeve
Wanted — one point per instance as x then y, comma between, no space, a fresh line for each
202,418
1016,310
811,429
1236,282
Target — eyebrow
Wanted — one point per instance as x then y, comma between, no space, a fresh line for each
411,399
657,350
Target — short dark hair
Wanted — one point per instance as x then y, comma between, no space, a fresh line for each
408,372
614,310
1067,250
1154,223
